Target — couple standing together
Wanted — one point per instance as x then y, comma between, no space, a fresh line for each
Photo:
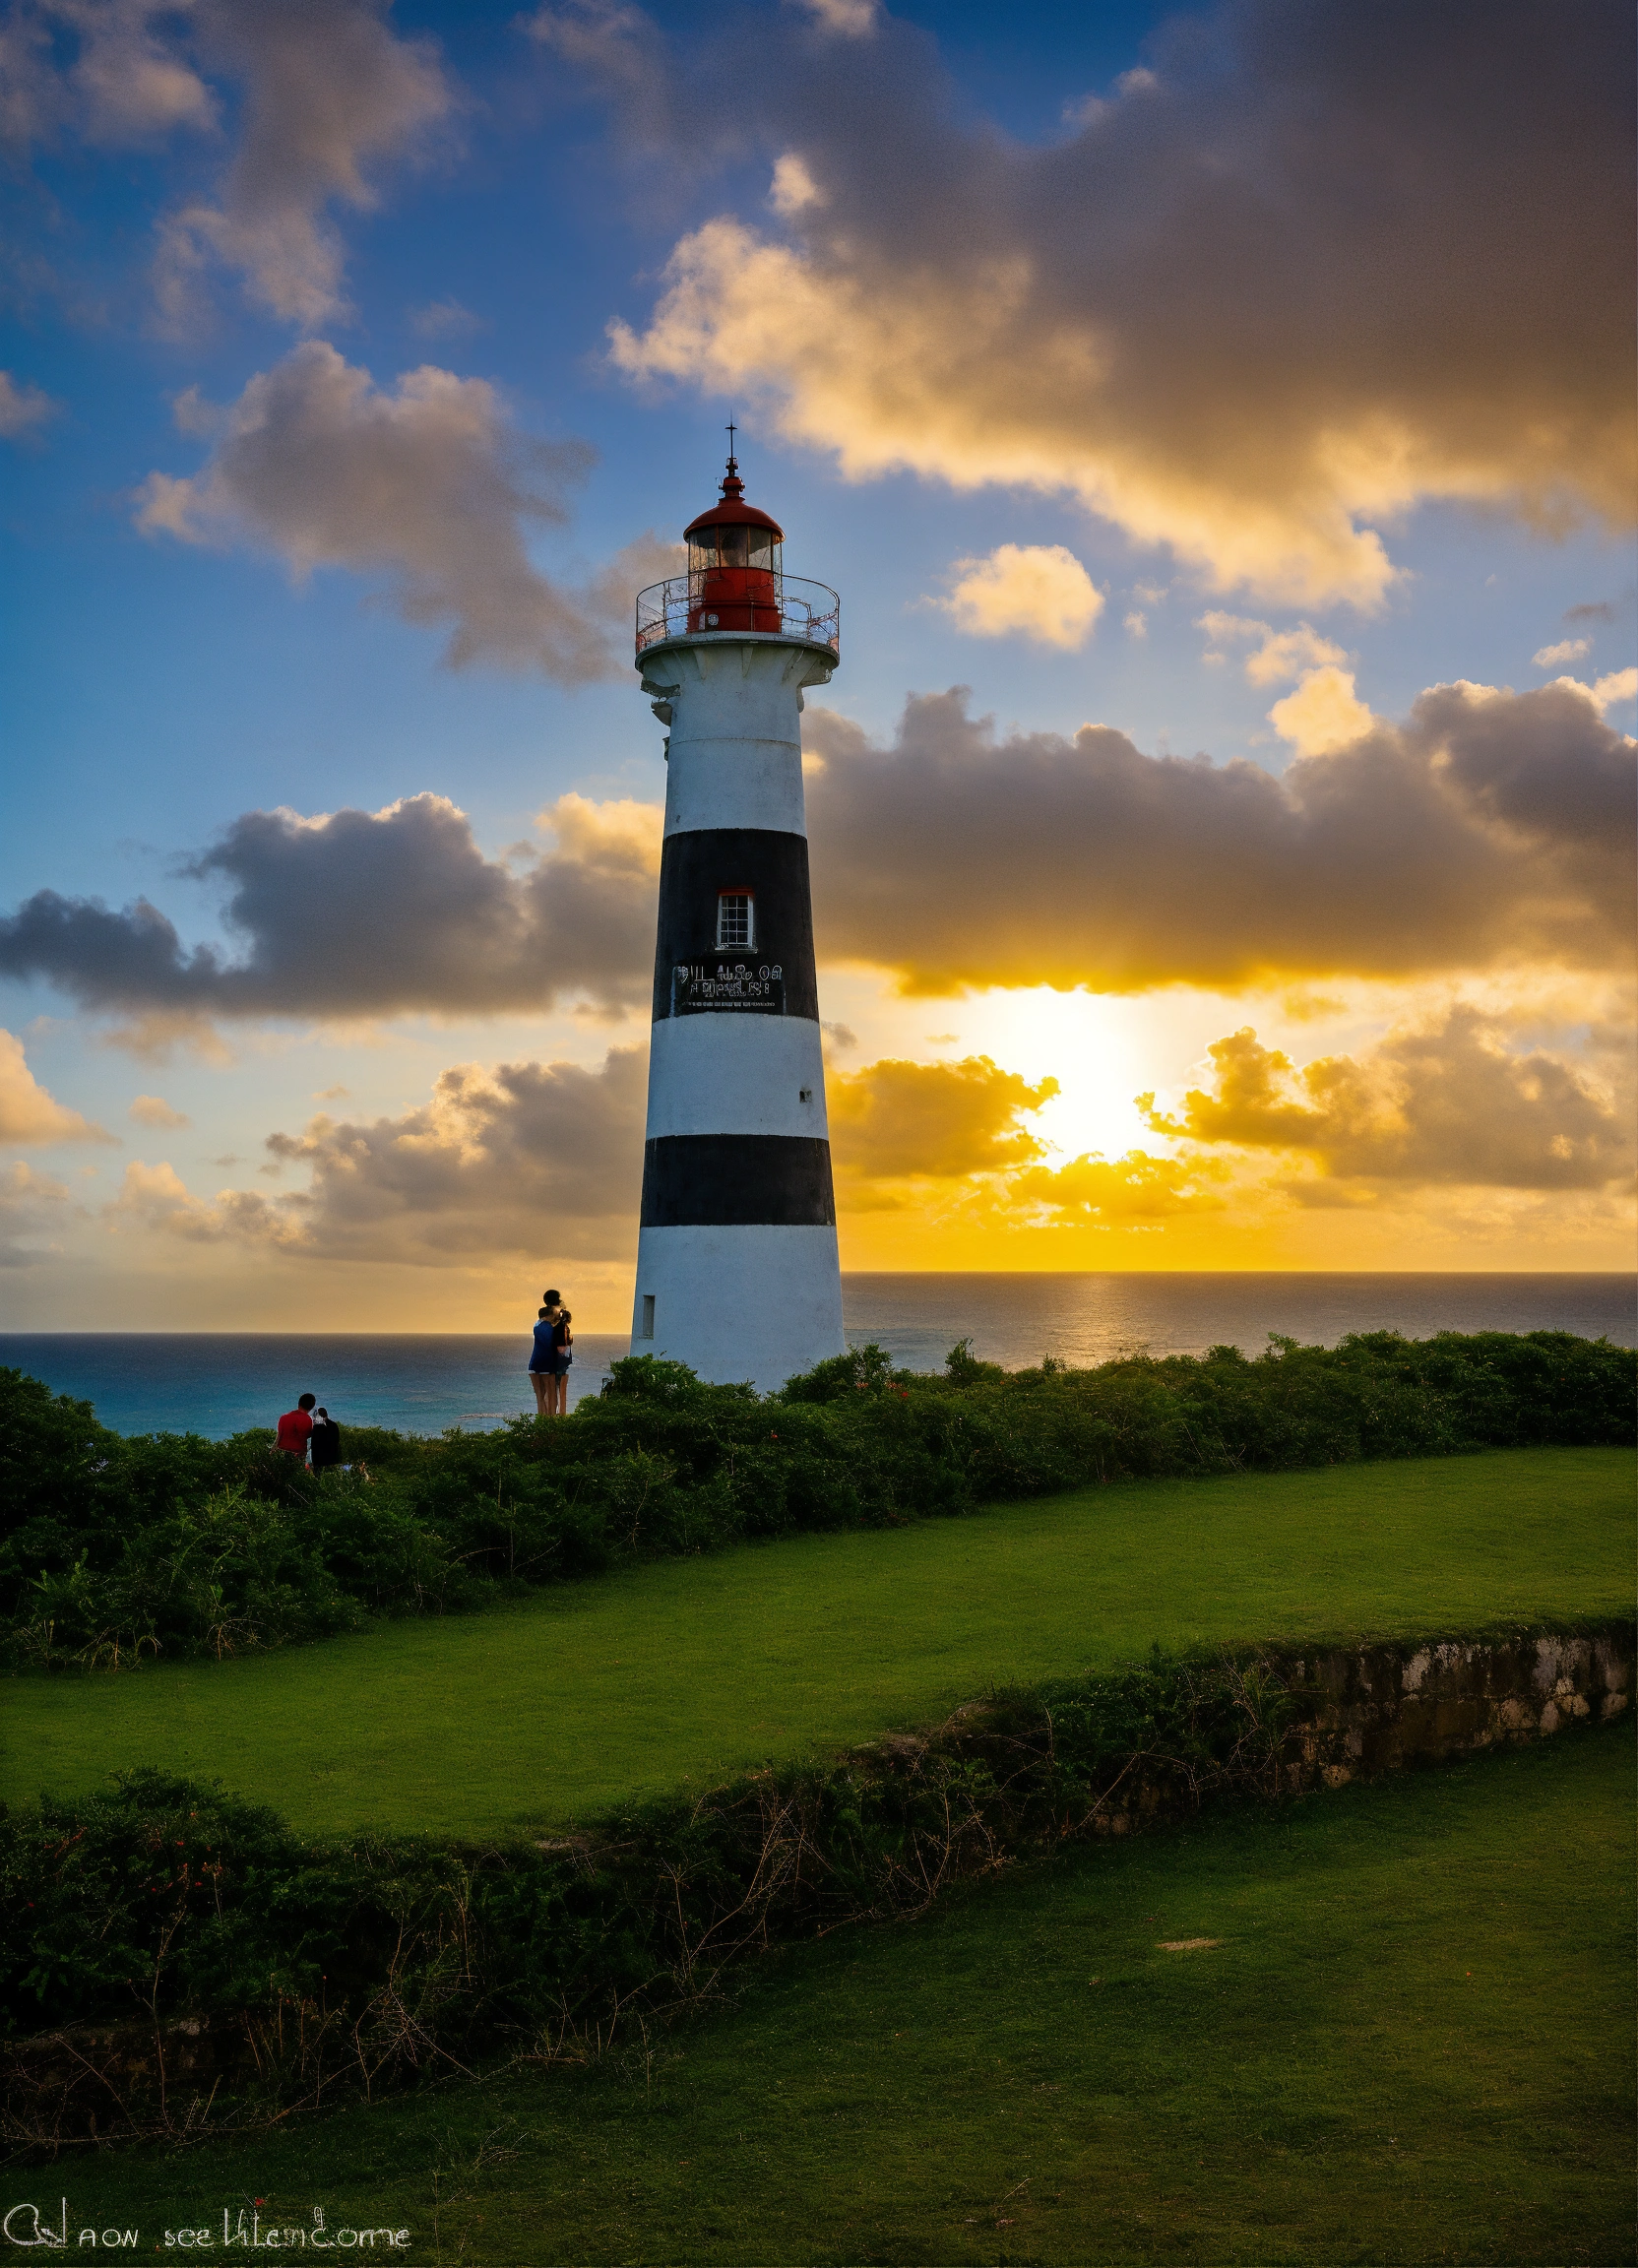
548,1363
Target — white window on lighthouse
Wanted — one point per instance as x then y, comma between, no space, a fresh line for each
735,918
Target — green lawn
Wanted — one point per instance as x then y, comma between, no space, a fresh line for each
1412,2042
687,1670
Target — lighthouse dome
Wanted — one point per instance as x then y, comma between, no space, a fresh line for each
732,511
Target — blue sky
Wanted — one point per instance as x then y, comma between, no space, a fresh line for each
158,689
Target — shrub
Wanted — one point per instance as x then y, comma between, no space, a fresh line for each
115,1549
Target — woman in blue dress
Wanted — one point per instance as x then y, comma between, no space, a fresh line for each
543,1359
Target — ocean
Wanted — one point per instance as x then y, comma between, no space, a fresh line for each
217,1383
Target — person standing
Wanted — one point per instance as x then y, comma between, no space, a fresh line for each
542,1359
326,1444
563,1340
296,1427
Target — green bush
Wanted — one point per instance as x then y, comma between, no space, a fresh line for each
114,1550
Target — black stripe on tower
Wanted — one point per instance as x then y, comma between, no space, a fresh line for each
737,1181
773,866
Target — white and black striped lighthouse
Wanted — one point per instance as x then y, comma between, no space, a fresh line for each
738,1273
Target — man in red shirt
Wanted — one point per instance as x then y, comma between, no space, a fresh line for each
295,1428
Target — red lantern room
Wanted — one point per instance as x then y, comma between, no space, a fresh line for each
733,563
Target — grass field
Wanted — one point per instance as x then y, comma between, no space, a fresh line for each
1412,2043
687,1670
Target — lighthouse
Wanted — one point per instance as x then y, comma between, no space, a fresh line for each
738,1273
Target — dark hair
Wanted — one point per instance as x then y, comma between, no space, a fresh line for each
323,1411
540,1318
306,1402
551,1297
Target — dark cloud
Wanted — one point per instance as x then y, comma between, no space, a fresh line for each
524,1159
1311,266
529,1158
425,483
1492,828
1453,1104
365,913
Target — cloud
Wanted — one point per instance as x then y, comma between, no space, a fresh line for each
1566,650
793,187
941,1120
618,50
525,1159
1490,829
1323,713
1279,654
369,913
1620,685
424,484
23,409
327,95
896,1123
26,1198
1094,1191
153,1110
530,1158
28,1113
1185,313
330,94
1038,591
1135,624
1450,1104
844,19
444,319
111,72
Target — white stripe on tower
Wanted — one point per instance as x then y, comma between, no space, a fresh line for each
738,1271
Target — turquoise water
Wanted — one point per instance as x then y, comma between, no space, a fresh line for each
219,1383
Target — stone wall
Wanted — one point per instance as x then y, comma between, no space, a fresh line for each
776,1856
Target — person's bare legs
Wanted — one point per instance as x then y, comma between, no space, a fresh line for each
542,1386
562,1384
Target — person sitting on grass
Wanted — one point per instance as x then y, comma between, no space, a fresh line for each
295,1428
326,1442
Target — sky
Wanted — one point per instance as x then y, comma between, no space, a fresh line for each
1218,426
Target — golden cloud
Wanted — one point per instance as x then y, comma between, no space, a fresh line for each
940,1120
28,1113
1035,591
1452,1104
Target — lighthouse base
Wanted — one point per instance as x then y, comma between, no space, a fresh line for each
759,1303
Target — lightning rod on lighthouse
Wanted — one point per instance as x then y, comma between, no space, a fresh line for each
737,1272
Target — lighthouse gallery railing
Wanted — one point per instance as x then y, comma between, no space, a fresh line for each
812,612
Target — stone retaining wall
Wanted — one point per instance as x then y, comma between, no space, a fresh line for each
1287,1722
